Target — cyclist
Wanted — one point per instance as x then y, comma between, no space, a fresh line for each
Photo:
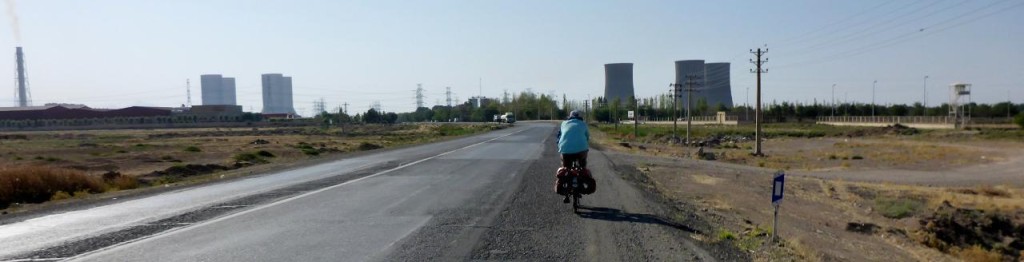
573,142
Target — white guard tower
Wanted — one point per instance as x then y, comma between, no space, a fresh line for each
959,97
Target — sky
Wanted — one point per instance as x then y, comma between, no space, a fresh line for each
118,53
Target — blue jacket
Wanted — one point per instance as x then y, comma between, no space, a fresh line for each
573,137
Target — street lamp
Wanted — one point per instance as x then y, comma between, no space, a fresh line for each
873,98
924,103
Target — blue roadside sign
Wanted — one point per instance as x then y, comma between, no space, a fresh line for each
777,187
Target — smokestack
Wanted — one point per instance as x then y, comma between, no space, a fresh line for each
22,89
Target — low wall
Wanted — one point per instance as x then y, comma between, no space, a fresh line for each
878,124
683,122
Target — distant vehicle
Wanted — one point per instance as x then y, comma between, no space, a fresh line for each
508,117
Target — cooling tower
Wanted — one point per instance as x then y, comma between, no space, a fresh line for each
22,88
687,70
618,82
227,87
277,94
212,91
717,87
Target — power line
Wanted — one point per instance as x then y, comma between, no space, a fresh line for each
907,36
827,26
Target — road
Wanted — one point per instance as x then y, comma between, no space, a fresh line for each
485,197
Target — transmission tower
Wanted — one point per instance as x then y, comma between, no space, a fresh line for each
319,106
188,93
419,95
448,95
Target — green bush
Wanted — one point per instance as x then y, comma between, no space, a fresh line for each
193,149
1019,120
249,157
897,207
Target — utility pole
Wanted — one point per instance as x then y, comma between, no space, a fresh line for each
675,88
757,112
636,117
690,81
873,99
833,101
346,107
587,106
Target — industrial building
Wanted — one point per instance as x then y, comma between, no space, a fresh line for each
65,111
277,94
618,82
217,90
710,82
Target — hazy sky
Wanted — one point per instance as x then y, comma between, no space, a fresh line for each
107,53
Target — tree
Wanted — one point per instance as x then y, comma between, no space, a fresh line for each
701,108
372,117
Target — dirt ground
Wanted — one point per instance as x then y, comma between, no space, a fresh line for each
879,207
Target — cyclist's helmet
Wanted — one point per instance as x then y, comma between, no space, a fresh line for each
574,114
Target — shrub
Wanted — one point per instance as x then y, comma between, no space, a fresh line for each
896,208
125,183
979,254
368,146
857,157
193,149
310,151
725,234
1019,120
60,195
37,184
265,153
249,157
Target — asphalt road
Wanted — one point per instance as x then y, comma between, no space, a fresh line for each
487,197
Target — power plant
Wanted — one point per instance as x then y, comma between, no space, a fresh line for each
217,90
277,94
690,71
23,94
711,82
717,87
618,82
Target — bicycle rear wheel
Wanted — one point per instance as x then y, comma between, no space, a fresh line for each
575,202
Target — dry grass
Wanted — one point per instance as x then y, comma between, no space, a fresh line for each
977,254
37,184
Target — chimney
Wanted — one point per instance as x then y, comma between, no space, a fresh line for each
22,89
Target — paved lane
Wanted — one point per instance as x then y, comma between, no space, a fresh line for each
488,201
51,230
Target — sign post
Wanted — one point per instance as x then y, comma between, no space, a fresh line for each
636,133
778,183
